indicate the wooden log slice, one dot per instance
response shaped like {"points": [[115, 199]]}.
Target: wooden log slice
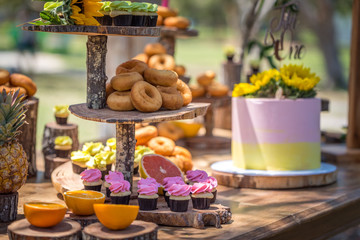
{"points": [[27, 138], [232, 73], [180, 33], [52, 162], [53, 130], [23, 230], [8, 206], [138, 230], [63, 179]]}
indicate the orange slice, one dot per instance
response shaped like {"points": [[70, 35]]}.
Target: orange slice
{"points": [[42, 214], [81, 202], [116, 216]]}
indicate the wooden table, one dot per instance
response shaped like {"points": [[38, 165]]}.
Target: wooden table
{"points": [[258, 214]]}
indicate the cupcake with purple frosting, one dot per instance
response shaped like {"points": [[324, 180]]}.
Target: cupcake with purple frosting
{"points": [[201, 195], [179, 197], [213, 182], [120, 192], [147, 198], [167, 183], [111, 178], [92, 179], [196, 176]]}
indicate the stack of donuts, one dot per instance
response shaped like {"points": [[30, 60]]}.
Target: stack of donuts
{"points": [[165, 146], [155, 56], [169, 18], [16, 81], [208, 86], [136, 86]]}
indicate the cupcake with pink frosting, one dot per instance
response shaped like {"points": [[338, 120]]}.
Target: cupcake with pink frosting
{"points": [[120, 192], [201, 195], [148, 196], [179, 197], [213, 182], [110, 178], [196, 176], [167, 183], [92, 179], [148, 181]]}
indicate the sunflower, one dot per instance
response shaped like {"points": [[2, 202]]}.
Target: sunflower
{"points": [[84, 11], [263, 78], [244, 89], [298, 76]]}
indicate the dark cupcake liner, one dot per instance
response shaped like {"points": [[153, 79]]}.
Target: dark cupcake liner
{"points": [[108, 192], [106, 172], [201, 203], [136, 170], [150, 21], [105, 20], [166, 198], [94, 188], [77, 169], [146, 204], [62, 153], [120, 199], [61, 121], [214, 198], [122, 20], [138, 20], [178, 205]]}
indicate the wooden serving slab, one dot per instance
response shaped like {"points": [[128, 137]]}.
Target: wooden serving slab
{"points": [[23, 230], [179, 33]]}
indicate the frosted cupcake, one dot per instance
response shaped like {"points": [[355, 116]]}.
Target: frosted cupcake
{"points": [[120, 192], [63, 146], [111, 145], [102, 161], [147, 196], [179, 197], [121, 13], [148, 181], [92, 179], [79, 160], [138, 14], [105, 20], [93, 148], [61, 114], [201, 195], [167, 183], [196, 176], [111, 178], [213, 182], [151, 15]]}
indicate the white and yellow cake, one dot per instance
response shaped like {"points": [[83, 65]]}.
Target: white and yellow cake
{"points": [[272, 134]]}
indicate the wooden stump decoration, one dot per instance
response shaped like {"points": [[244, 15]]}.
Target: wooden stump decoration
{"points": [[28, 134], [52, 162], [232, 73], [53, 130], [138, 230], [96, 77], [125, 150], [23, 230], [82, 220], [8, 206]]}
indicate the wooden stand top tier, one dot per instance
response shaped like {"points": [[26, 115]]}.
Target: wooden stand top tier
{"points": [[180, 33], [96, 30], [107, 115]]}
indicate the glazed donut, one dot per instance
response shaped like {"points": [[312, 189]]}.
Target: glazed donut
{"points": [[177, 161], [20, 80], [180, 70], [164, 78], [108, 89], [182, 151], [197, 91], [142, 57], [166, 12], [159, 21], [218, 90], [132, 66], [206, 78], [120, 101], [170, 130], [171, 98], [162, 62], [145, 97], [185, 92], [141, 125], [162, 145], [4, 76], [12, 90], [178, 22], [144, 134], [125, 81], [154, 49]]}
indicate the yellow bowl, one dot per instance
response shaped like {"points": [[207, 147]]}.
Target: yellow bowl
{"points": [[190, 129], [116, 216], [43, 214], [81, 202]]}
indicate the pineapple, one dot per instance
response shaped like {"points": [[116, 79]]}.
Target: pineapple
{"points": [[13, 159]]}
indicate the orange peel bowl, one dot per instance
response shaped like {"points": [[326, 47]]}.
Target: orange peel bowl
{"points": [[81, 202], [43, 214], [190, 129], [116, 216]]}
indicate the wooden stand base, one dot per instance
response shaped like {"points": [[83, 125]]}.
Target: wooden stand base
{"points": [[23, 230], [52, 162], [8, 206], [138, 230]]}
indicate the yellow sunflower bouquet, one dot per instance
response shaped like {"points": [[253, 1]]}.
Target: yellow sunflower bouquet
{"points": [[292, 81], [70, 12]]}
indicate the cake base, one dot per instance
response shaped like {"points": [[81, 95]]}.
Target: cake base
{"points": [[229, 175]]}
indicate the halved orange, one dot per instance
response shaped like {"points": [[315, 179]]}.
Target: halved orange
{"points": [[81, 202], [43, 214], [190, 129], [116, 216]]}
